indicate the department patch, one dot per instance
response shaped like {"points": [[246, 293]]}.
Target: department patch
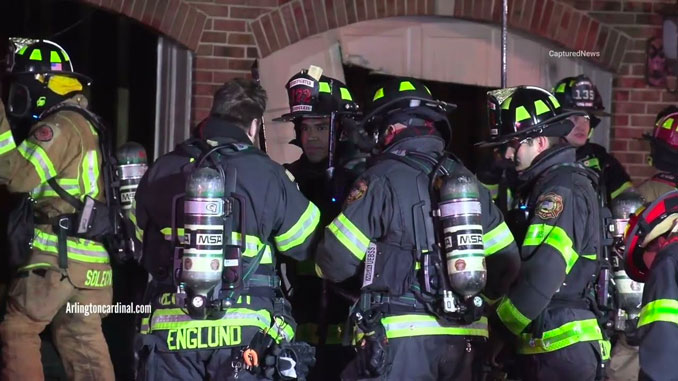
{"points": [[44, 133], [357, 192], [549, 206]]}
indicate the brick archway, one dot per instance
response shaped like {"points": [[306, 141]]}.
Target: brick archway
{"points": [[177, 19], [555, 21]]}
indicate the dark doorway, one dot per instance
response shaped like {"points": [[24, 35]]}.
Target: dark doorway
{"points": [[469, 120]]}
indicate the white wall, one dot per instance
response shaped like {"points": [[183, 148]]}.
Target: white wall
{"points": [[433, 48]]}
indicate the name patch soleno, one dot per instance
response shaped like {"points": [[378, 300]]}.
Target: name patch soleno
{"points": [[203, 337], [98, 278]]}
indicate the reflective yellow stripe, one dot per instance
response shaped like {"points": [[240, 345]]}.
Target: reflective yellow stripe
{"points": [[176, 318], [79, 249], [665, 310], [493, 188], [90, 171], [38, 157], [522, 114], [621, 189], [302, 229], [497, 239], [554, 236], [378, 94], [512, 318], [6, 141], [324, 87], [561, 337], [34, 265], [426, 325], [138, 231], [349, 236], [71, 187]]}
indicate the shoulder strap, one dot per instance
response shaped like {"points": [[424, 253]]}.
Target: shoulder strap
{"points": [[77, 204]]}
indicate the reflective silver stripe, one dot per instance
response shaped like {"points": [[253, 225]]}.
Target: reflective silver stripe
{"points": [[92, 173], [302, 230], [6, 141], [71, 249], [158, 319], [349, 235], [45, 190], [430, 324]]}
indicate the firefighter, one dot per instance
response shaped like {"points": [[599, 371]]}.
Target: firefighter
{"points": [[174, 343], [320, 308], [546, 309], [579, 93], [386, 225], [663, 155], [651, 256], [61, 150]]}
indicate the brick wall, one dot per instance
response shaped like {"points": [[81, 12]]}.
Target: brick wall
{"points": [[228, 34], [634, 103]]}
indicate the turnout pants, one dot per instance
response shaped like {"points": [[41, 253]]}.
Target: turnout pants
{"points": [[624, 361], [424, 358], [35, 300]]}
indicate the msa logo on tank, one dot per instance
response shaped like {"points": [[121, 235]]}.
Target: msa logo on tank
{"points": [[98, 278], [217, 336], [466, 239]]}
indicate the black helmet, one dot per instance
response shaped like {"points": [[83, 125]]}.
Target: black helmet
{"points": [[42, 76], [45, 57], [311, 98], [406, 97], [579, 93], [524, 112]]}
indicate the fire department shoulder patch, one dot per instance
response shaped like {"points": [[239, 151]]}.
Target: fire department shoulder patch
{"points": [[44, 133], [357, 192], [549, 206]]}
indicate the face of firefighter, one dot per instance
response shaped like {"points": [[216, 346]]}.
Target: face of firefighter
{"points": [[315, 135], [580, 133], [522, 152]]}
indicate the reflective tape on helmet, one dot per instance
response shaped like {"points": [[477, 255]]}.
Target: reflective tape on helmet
{"points": [[497, 239], [555, 102], [6, 142], [522, 114], [561, 337], [38, 157], [349, 235], [560, 88], [345, 94], [668, 123], [426, 325], [378, 94], [512, 318], [555, 237], [406, 86], [540, 107], [324, 87], [665, 310], [79, 249], [36, 55], [54, 57], [507, 103], [297, 234]]}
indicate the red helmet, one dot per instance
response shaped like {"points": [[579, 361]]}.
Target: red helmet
{"points": [[644, 226]]}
